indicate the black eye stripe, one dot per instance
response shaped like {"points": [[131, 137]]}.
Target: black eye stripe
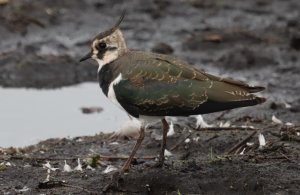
{"points": [[111, 48], [102, 52]]}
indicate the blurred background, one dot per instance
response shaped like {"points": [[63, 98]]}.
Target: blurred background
{"points": [[45, 92]]}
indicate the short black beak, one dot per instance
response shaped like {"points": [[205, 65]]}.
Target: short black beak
{"points": [[87, 56]]}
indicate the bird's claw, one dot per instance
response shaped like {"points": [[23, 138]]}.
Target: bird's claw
{"points": [[115, 178]]}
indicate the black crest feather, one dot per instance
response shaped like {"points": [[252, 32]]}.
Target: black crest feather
{"points": [[113, 29]]}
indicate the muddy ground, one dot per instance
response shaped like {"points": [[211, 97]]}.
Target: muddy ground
{"points": [[257, 41]]}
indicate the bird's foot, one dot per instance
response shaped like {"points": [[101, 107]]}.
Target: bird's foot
{"points": [[158, 164], [115, 178]]}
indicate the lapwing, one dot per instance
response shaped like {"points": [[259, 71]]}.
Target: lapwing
{"points": [[151, 86]]}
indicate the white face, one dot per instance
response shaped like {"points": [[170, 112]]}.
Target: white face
{"points": [[107, 49], [109, 57], [104, 51]]}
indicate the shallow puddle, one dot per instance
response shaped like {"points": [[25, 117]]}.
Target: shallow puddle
{"points": [[30, 115]]}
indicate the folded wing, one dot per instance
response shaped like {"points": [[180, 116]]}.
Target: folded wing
{"points": [[165, 87]]}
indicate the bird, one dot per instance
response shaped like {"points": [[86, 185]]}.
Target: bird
{"points": [[151, 86]]}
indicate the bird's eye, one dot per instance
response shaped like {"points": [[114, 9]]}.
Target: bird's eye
{"points": [[101, 46]]}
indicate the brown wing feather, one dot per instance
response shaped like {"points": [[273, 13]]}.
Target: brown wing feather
{"points": [[201, 75], [250, 89]]}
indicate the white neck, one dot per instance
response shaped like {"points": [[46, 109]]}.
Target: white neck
{"points": [[100, 63], [108, 58]]}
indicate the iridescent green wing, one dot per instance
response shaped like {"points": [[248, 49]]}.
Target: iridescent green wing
{"points": [[162, 87], [160, 98]]}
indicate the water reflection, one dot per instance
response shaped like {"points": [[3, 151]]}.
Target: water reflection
{"points": [[29, 115]]}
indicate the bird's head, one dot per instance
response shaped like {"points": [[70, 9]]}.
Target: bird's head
{"points": [[108, 45]]}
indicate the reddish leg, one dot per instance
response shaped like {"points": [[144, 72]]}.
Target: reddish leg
{"points": [[126, 166], [115, 177], [163, 144]]}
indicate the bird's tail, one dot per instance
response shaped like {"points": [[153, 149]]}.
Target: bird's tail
{"points": [[224, 92], [241, 84], [214, 106]]}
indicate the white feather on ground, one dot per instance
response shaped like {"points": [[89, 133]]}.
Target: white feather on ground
{"points": [[24, 189], [243, 151], [287, 105], [90, 168], [67, 167], [226, 124], [49, 167], [109, 168], [48, 175], [248, 126], [276, 120], [168, 153], [114, 143], [261, 140], [196, 139], [79, 166], [8, 164], [201, 123]]}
